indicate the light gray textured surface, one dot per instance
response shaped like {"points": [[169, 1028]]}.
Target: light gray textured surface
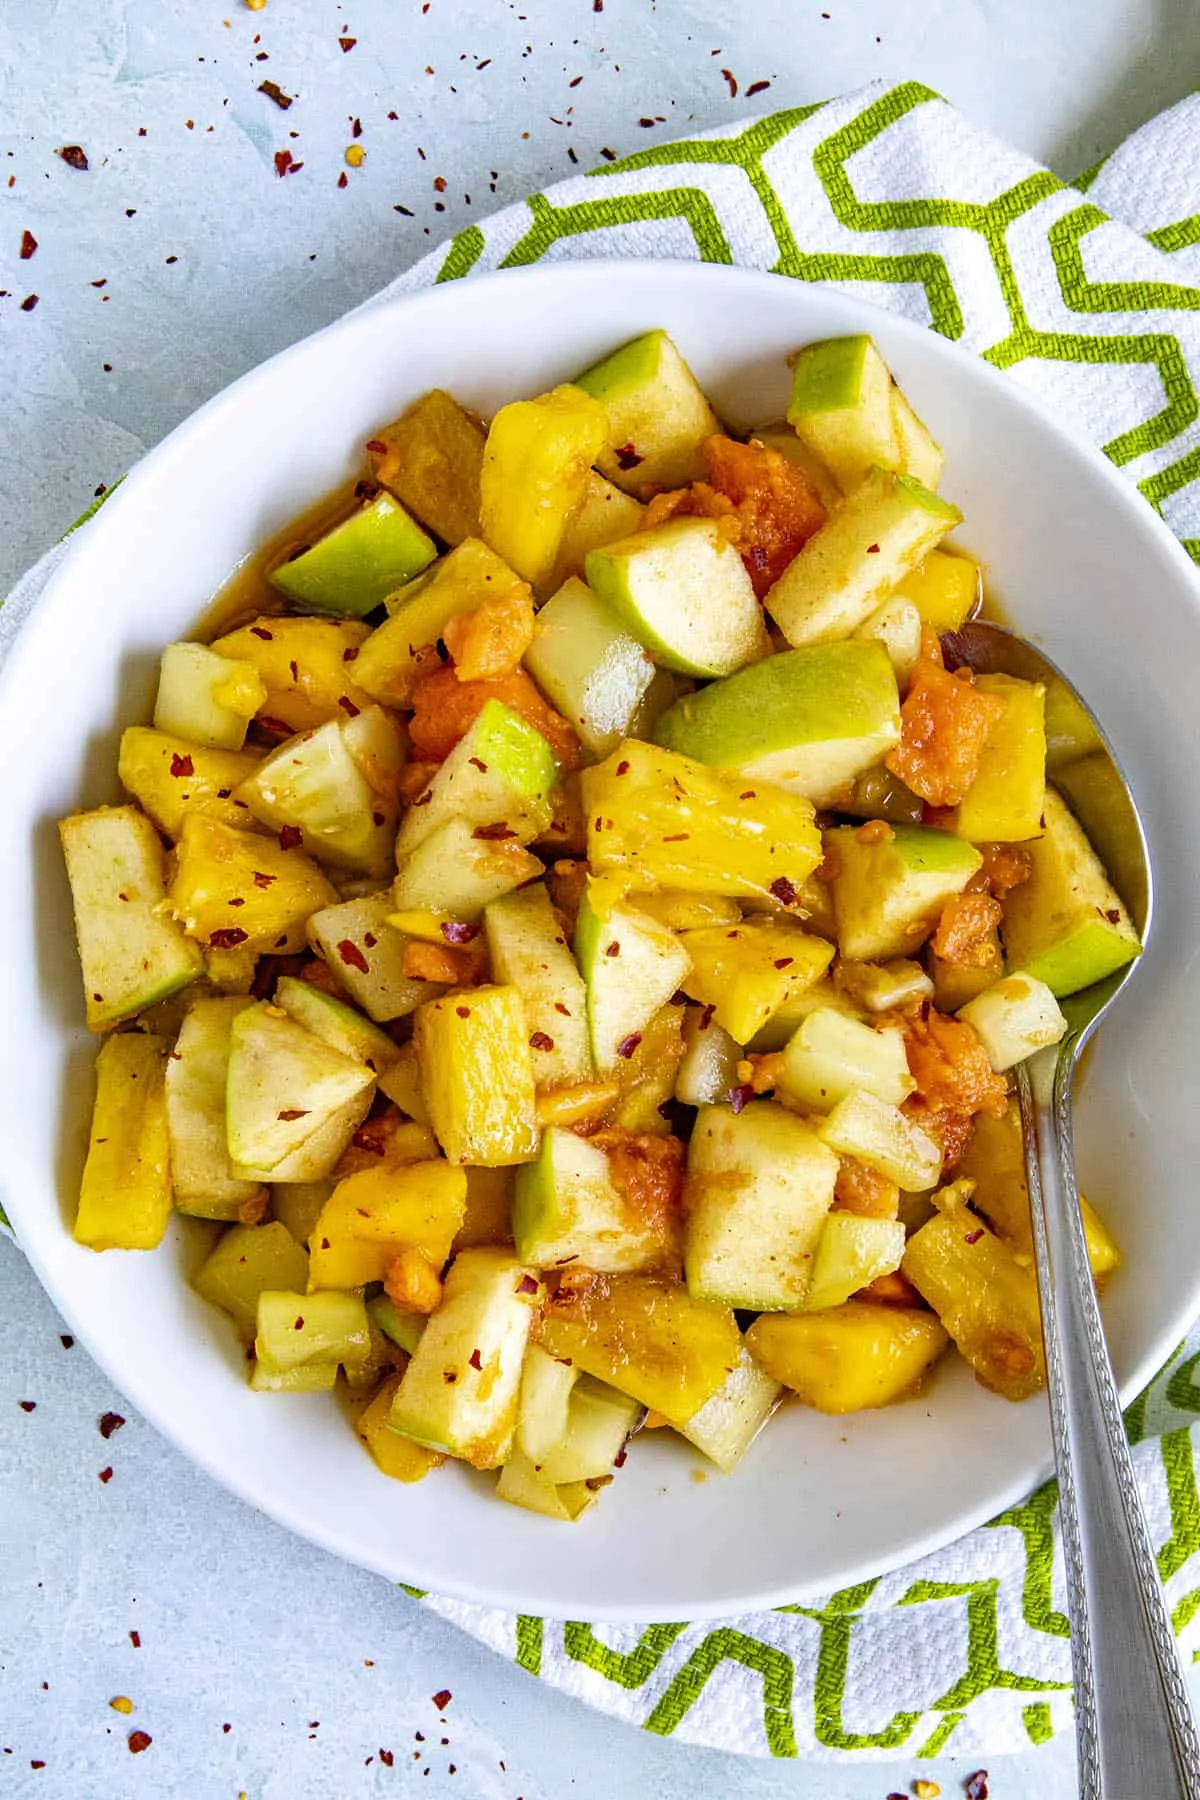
{"points": [[239, 1623]]}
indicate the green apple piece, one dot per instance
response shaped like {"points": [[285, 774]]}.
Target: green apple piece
{"points": [[404, 1328], [1066, 925], [727, 1425], [807, 720], [759, 1185], [783, 440], [658, 416], [567, 1208], [313, 782], [207, 698], [296, 1328], [478, 1335], [367, 956], [599, 1421], [605, 515], [545, 1404], [302, 1378], [897, 626], [850, 565], [783, 1025], [919, 455], [683, 591], [508, 796], [452, 871], [353, 568], [1095, 793], [1013, 1019], [335, 1023], [521, 1483], [841, 407], [389, 664], [852, 1253], [131, 951], [196, 1074], [248, 1260], [588, 666], [880, 1136], [708, 1071], [888, 896], [284, 1084], [632, 966], [834, 1053], [526, 948]]}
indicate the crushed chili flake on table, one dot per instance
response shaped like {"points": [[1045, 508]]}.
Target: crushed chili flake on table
{"points": [[27, 1406], [139, 1741], [757, 87], [106, 1475], [74, 155], [29, 302], [110, 1422], [977, 1785], [135, 1638], [28, 245], [66, 1340], [274, 92], [442, 1699], [347, 43], [387, 1758], [284, 164]]}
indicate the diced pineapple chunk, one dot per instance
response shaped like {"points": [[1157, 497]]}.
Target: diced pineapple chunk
{"points": [[747, 972], [945, 589], [477, 1075], [1004, 803], [994, 1160], [125, 1193], [535, 468], [849, 1357], [396, 1456], [984, 1298], [306, 666], [237, 888], [170, 778], [390, 662]]}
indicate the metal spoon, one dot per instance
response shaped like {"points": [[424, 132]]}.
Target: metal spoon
{"points": [[1133, 1720]]}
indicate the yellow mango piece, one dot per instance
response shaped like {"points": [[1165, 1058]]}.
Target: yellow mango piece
{"points": [[1004, 803], [995, 1161], [477, 1075], [170, 777], [125, 1193], [647, 1337], [488, 1215], [397, 1456], [306, 666], [430, 459], [850, 1357], [945, 589], [986, 1300], [237, 889], [370, 1217], [748, 971], [390, 663], [688, 912], [534, 478]]}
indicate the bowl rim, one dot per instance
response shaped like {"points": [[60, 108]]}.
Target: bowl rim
{"points": [[109, 521]]}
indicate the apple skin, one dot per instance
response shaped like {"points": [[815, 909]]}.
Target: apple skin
{"points": [[353, 568], [1066, 925], [808, 720], [658, 415]]}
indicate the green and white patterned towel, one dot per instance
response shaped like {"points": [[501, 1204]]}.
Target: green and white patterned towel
{"points": [[1094, 303]]}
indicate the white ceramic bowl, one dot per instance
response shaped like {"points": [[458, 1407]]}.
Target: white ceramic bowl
{"points": [[1081, 565]]}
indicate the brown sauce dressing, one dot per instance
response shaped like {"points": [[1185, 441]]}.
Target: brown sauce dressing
{"points": [[248, 592]]}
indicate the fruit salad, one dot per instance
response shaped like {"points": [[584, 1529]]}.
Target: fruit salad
{"points": [[569, 938]]}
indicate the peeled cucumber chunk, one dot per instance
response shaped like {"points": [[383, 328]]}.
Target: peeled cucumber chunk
{"points": [[710, 1059], [125, 1190], [353, 568], [314, 783], [683, 591], [527, 948], [196, 1077], [497, 778], [132, 952], [888, 893], [522, 1484], [1066, 925], [759, 1186], [283, 1085], [807, 720], [1014, 1018], [882, 1137], [545, 1405], [658, 416], [296, 1328], [207, 698], [605, 515], [727, 1425], [590, 668], [851, 564], [631, 966], [460, 1392], [567, 1209]]}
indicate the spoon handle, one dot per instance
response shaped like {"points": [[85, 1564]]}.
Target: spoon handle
{"points": [[1134, 1725]]}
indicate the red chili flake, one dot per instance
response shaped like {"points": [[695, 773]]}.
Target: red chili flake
{"points": [[228, 938], [462, 1012], [477, 763], [29, 302], [343, 180], [356, 128], [706, 1017], [74, 155], [106, 1475], [288, 1116], [526, 1285], [475, 1360], [66, 1340], [750, 794], [783, 890], [597, 5], [135, 1638], [182, 765], [973, 1237], [284, 164], [387, 1758], [27, 1406], [351, 655], [629, 1044], [36, 1762], [352, 956], [274, 92], [740, 1096], [561, 1008], [260, 631], [540, 1041], [757, 87], [347, 705], [139, 1741], [622, 768], [784, 962], [493, 833], [459, 931], [290, 837], [109, 1423], [731, 80], [872, 549], [28, 245], [614, 949], [607, 154], [646, 124], [370, 940], [977, 1785], [263, 881], [439, 184], [627, 457], [677, 837], [347, 43]]}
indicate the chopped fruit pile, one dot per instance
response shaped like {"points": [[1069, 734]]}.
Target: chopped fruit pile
{"points": [[569, 936]]}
